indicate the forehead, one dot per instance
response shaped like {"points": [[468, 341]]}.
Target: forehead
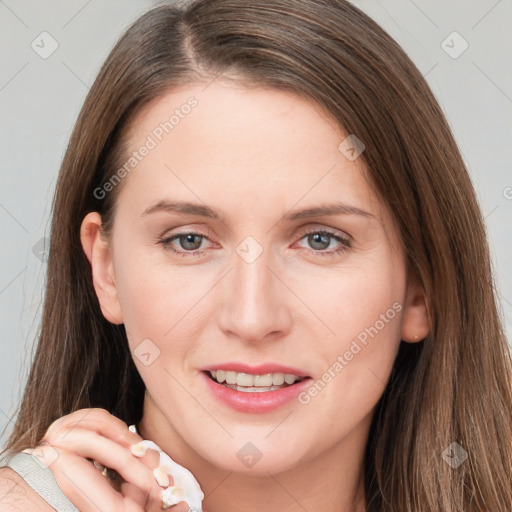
{"points": [[235, 146]]}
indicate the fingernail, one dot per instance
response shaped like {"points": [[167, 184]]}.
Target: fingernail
{"points": [[161, 476], [138, 449], [169, 497], [30, 451]]}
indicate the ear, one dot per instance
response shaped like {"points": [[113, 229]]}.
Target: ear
{"points": [[415, 320], [98, 253]]}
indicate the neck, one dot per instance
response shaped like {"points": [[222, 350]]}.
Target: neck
{"points": [[331, 481]]}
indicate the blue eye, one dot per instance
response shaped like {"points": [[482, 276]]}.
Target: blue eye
{"points": [[322, 240], [186, 240], [319, 240]]}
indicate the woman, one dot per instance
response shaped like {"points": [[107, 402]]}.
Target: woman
{"points": [[266, 254]]}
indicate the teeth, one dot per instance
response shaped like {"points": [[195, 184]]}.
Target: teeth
{"points": [[249, 380], [231, 377], [244, 379], [262, 380], [289, 379], [278, 379]]}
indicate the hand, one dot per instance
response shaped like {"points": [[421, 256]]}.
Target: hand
{"points": [[72, 441]]}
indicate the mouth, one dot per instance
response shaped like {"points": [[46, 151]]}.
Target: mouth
{"points": [[251, 383], [254, 389]]}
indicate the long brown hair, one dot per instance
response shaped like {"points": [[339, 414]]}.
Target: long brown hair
{"points": [[454, 386]]}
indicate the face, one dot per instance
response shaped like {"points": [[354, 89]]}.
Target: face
{"points": [[255, 274]]}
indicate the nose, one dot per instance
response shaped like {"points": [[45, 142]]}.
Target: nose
{"points": [[255, 304]]}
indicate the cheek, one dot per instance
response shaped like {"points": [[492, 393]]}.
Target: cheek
{"points": [[364, 309], [361, 311], [362, 362], [158, 299], [147, 303], [350, 298]]}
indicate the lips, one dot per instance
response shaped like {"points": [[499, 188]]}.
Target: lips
{"points": [[255, 402]]}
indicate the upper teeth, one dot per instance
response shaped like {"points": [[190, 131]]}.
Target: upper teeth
{"points": [[247, 379]]}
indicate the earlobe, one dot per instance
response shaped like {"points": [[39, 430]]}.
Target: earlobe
{"points": [[97, 251], [415, 320]]}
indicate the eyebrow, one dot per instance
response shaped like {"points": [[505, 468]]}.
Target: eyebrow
{"points": [[327, 209], [182, 207], [201, 210]]}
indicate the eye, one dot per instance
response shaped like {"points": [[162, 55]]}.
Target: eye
{"points": [[319, 240], [189, 242]]}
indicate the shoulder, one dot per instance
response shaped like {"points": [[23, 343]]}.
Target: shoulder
{"points": [[16, 495]]}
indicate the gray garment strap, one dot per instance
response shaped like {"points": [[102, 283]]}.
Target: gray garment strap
{"points": [[41, 479]]}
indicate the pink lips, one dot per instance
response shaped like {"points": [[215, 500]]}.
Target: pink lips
{"points": [[260, 401]]}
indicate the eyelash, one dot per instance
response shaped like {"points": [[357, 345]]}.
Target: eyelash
{"points": [[345, 243]]}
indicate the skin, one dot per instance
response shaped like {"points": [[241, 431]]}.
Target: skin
{"points": [[67, 443], [253, 155]]}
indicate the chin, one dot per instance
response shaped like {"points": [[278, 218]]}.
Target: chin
{"points": [[256, 457]]}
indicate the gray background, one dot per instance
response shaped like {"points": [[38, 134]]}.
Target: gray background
{"points": [[40, 99]]}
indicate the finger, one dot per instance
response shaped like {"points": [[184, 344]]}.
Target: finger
{"points": [[92, 415], [89, 444], [135, 499], [83, 485], [122, 437]]}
